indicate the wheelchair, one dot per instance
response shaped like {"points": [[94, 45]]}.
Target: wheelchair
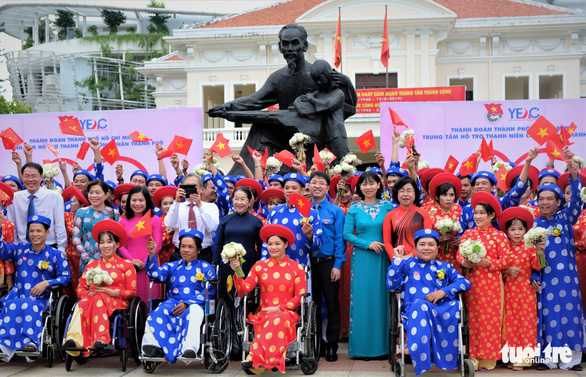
{"points": [[215, 340], [307, 343], [126, 328], [53, 319], [397, 334]]}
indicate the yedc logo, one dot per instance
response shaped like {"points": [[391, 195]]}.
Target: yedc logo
{"points": [[93, 124], [520, 113]]}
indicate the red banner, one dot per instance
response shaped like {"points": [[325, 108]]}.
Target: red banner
{"points": [[369, 99]]}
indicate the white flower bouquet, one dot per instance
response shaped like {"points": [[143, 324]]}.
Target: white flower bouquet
{"points": [[234, 250], [499, 164], [578, 160], [423, 165], [446, 226], [202, 169], [297, 142], [583, 194], [535, 236], [273, 166], [97, 276], [474, 251], [346, 171], [403, 141], [326, 156], [50, 171], [351, 159]]}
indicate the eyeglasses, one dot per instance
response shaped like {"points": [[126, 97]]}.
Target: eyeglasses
{"points": [[319, 183]]}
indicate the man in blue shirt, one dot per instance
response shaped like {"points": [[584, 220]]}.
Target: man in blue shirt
{"points": [[327, 260]]}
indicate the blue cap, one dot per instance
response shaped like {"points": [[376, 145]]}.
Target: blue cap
{"points": [[484, 174], [67, 206], [230, 178], [191, 233], [358, 173], [37, 219], [549, 172], [511, 164], [426, 233], [157, 177], [13, 179], [58, 184], [276, 177], [240, 177], [84, 172], [294, 177], [206, 178], [553, 188], [142, 173], [376, 170], [111, 185], [395, 171]]}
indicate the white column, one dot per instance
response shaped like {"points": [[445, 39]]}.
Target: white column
{"points": [[410, 58], [425, 61], [47, 39], [328, 40], [84, 26], [36, 30]]}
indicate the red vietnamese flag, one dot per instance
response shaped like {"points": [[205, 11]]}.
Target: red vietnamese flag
{"points": [[451, 164], [180, 145], [110, 152], [566, 135], [542, 130], [138, 137], [46, 161], [70, 126], [329, 151], [10, 139], [468, 167], [85, 146], [572, 128], [52, 149], [385, 52], [486, 151], [409, 143], [554, 151], [221, 146], [319, 164], [285, 157], [265, 156], [338, 43], [366, 142], [143, 227], [396, 119], [501, 178], [301, 204]]}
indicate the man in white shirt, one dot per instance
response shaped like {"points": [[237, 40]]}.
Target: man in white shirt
{"points": [[37, 201], [195, 214]]}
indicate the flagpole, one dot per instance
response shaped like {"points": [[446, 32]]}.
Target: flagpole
{"points": [[340, 18], [387, 67]]}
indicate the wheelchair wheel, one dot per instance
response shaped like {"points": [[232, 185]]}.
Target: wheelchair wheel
{"points": [[50, 355], [123, 359], [136, 324], [211, 365], [399, 367], [223, 328], [469, 368], [237, 333], [308, 365], [312, 340], [148, 366], [62, 311], [68, 361]]}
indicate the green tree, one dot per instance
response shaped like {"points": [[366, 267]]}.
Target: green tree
{"points": [[64, 20], [13, 107], [113, 18], [93, 30], [158, 20]]}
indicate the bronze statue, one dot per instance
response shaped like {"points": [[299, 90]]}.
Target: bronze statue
{"points": [[304, 106]]}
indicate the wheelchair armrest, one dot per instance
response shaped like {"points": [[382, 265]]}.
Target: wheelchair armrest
{"points": [[305, 295]]}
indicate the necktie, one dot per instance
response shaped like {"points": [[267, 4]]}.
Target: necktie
{"points": [[191, 220], [31, 206]]}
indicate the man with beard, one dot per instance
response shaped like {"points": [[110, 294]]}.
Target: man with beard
{"points": [[283, 87]]}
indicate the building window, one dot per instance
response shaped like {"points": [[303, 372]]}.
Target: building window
{"points": [[516, 87], [243, 90], [212, 96], [468, 83], [551, 87], [371, 81]]}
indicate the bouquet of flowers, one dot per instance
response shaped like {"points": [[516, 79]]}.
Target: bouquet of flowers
{"points": [[50, 171], [97, 276], [577, 160], [297, 142], [273, 166], [326, 156], [446, 226], [474, 251], [234, 250], [351, 159], [583, 194], [346, 171], [423, 165], [407, 140], [535, 236], [499, 164], [202, 169]]}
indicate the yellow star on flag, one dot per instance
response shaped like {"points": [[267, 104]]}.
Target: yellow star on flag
{"points": [[221, 145], [542, 132], [468, 164], [140, 225], [555, 153], [450, 165], [366, 143], [74, 128], [141, 136], [112, 152], [300, 203], [180, 145], [503, 177], [493, 109]]}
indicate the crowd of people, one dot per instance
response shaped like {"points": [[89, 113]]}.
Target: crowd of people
{"points": [[368, 235]]}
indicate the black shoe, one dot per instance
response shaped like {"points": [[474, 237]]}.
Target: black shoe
{"points": [[100, 344], [152, 351], [577, 368], [69, 343], [542, 367], [331, 354], [247, 364], [189, 354]]}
